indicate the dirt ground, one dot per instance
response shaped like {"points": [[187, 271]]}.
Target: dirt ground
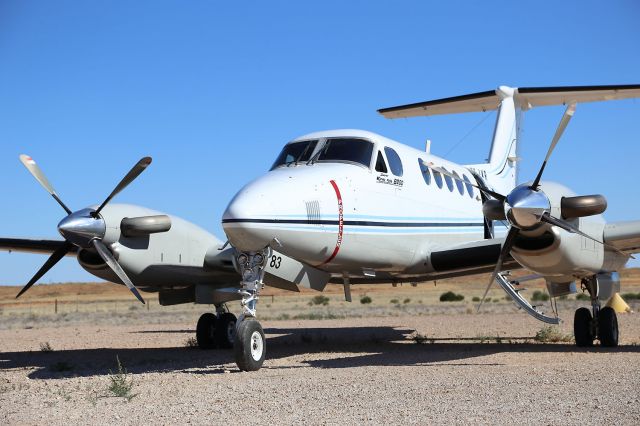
{"points": [[463, 367]]}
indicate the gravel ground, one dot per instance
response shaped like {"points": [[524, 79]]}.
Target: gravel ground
{"points": [[359, 370]]}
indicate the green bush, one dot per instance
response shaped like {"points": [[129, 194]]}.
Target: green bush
{"points": [[475, 299], [539, 296], [320, 300], [450, 296], [365, 300], [394, 301], [407, 300], [630, 296], [583, 296]]}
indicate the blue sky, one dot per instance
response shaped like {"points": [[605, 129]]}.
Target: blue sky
{"points": [[212, 90]]}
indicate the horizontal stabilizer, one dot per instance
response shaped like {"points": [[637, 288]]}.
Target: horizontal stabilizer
{"points": [[525, 97]]}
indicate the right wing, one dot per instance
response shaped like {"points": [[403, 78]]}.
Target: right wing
{"points": [[34, 246]]}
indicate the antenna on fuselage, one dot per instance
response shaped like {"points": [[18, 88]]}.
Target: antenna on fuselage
{"points": [[427, 147]]}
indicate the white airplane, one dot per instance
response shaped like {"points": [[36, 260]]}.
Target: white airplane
{"points": [[351, 207]]}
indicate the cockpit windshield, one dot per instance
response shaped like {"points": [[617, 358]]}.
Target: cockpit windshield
{"points": [[346, 149], [295, 152]]}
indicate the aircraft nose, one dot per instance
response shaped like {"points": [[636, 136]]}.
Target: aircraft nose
{"points": [[248, 216]]}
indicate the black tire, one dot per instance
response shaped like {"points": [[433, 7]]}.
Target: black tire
{"points": [[250, 345], [608, 327], [205, 331], [225, 330], [582, 329]]}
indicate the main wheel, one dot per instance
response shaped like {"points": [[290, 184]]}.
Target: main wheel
{"points": [[582, 327], [225, 330], [205, 331], [608, 327], [249, 345]]}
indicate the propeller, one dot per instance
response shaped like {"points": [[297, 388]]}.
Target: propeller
{"points": [[526, 206], [83, 228]]}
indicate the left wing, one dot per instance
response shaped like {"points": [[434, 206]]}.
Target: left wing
{"points": [[34, 246], [625, 236]]}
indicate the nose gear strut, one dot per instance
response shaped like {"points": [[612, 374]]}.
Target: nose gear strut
{"points": [[249, 344]]}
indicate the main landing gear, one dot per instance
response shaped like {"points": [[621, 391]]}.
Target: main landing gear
{"points": [[249, 345], [597, 323], [216, 331]]}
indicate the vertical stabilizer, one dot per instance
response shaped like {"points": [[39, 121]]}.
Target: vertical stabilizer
{"points": [[500, 173]]}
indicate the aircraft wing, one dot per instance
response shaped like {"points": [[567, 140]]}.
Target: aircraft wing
{"points": [[526, 97], [625, 236], [34, 246]]}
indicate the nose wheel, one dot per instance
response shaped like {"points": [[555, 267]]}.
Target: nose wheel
{"points": [[597, 323], [250, 345]]}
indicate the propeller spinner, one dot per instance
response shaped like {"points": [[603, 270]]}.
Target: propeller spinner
{"points": [[84, 228]]}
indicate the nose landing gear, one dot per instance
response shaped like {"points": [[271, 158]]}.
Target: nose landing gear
{"points": [[599, 323], [249, 345]]}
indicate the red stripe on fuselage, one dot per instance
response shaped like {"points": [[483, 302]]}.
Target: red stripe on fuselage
{"points": [[340, 224]]}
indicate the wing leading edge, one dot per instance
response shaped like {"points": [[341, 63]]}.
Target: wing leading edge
{"points": [[34, 246]]}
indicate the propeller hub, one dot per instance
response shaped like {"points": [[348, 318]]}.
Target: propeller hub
{"points": [[80, 227], [524, 207]]}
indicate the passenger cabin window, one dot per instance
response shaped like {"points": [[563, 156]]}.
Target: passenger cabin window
{"points": [[381, 166], [348, 150], [426, 173], [395, 164], [459, 183], [468, 185], [449, 180], [438, 178], [295, 152]]}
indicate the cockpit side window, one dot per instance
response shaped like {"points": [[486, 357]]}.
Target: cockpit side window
{"points": [[349, 150], [295, 152], [381, 166], [395, 164]]}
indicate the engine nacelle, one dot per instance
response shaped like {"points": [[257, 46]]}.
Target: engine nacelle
{"points": [[561, 255]]}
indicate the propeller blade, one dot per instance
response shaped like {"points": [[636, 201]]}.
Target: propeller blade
{"points": [[570, 228], [566, 117], [36, 172], [440, 170], [506, 248], [135, 171], [50, 263], [106, 255]]}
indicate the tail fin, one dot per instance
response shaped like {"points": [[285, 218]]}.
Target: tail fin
{"points": [[501, 172]]}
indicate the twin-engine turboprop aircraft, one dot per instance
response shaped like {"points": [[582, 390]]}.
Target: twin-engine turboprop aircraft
{"points": [[350, 207]]}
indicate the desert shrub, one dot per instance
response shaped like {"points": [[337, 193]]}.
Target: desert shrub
{"points": [[539, 296], [450, 296], [407, 300], [320, 300], [552, 335], [45, 347], [630, 296], [191, 342], [121, 385], [583, 296], [394, 301], [365, 300], [475, 299]]}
